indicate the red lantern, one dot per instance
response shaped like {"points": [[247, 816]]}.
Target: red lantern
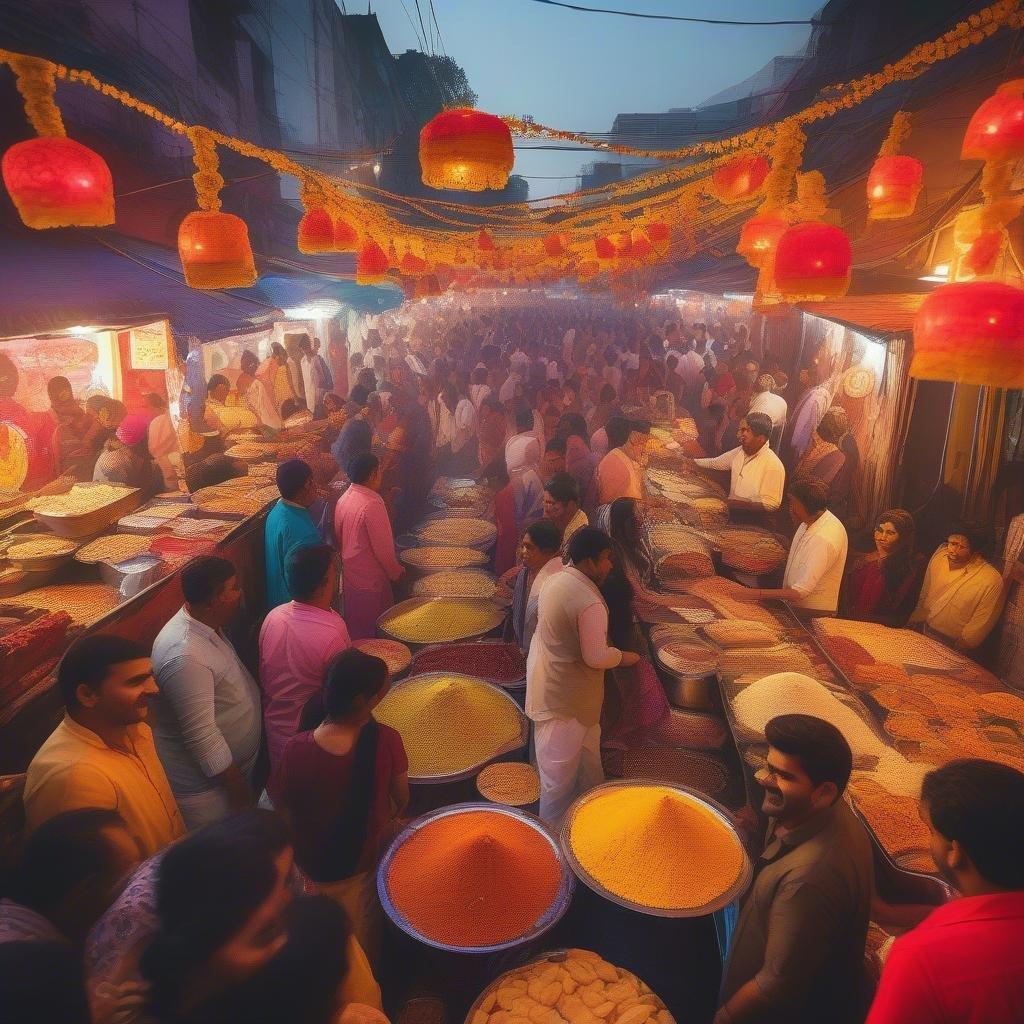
{"points": [[215, 251], [604, 249], [346, 238], [893, 187], [980, 258], [555, 245], [316, 231], [739, 179], [427, 286], [412, 264], [372, 264], [467, 150], [484, 242], [640, 247], [59, 183], [657, 232], [996, 131], [759, 236], [813, 261], [971, 332]]}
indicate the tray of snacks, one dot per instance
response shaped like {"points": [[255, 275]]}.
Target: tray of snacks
{"points": [[39, 552], [552, 983], [458, 532], [117, 547], [86, 603], [86, 509], [622, 840], [452, 724], [475, 878]]}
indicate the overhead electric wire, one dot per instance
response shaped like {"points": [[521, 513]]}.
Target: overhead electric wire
{"points": [[670, 17]]}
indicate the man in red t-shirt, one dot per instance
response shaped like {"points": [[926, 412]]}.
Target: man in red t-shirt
{"points": [[964, 964]]}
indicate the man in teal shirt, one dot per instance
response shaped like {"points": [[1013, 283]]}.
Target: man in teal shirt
{"points": [[289, 525]]}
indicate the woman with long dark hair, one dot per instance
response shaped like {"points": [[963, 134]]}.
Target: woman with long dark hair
{"points": [[883, 585]]}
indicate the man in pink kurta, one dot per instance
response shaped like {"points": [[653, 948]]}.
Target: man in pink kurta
{"points": [[297, 643], [367, 546]]}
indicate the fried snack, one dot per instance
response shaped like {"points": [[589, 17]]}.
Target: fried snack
{"points": [[450, 723], [628, 840], [84, 602], [79, 501], [905, 698], [741, 633], [40, 547], [878, 674], [116, 548], [480, 878], [909, 725], [1001, 704], [509, 782]]}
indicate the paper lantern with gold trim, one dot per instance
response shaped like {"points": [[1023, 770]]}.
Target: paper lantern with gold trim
{"points": [[346, 238], [971, 332], [316, 231], [59, 183], [372, 263], [739, 179], [215, 251], [894, 184], [996, 131], [813, 261], [466, 149], [759, 236]]}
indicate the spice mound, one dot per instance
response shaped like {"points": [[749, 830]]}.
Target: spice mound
{"points": [[480, 878], [40, 547], [457, 531], [79, 501], [450, 723], [437, 621], [655, 847], [456, 583], [432, 559], [569, 986]]}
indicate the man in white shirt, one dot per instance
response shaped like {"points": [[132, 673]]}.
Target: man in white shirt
{"points": [[817, 555], [565, 674], [704, 346], [255, 393], [757, 474], [690, 369], [772, 405]]}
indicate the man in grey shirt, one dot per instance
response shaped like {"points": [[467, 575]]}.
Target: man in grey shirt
{"points": [[206, 720], [798, 951]]}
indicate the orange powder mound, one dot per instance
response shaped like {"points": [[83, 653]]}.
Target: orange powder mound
{"points": [[474, 879], [656, 847]]}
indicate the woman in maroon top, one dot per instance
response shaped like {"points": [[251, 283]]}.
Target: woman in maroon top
{"points": [[343, 788], [883, 586]]}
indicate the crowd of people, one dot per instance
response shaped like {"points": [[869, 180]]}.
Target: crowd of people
{"points": [[204, 827]]}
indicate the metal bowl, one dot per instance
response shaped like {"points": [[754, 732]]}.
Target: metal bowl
{"points": [[416, 602], [468, 773], [41, 563], [558, 907], [735, 890]]}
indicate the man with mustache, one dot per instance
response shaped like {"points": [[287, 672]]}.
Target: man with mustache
{"points": [[798, 951], [102, 753]]}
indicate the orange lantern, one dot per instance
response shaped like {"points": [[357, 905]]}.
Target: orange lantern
{"points": [[759, 236], [484, 242], [372, 263], [346, 238], [971, 332], [894, 183], [739, 179], [316, 231], [467, 150], [980, 258], [215, 251], [996, 131], [813, 261], [58, 183]]}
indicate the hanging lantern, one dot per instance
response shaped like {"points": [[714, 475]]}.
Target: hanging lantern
{"points": [[346, 238], [467, 150], [759, 236], [996, 131], [372, 264], [316, 231], [215, 251], [484, 242], [59, 183], [604, 249], [812, 262], [739, 179], [640, 247], [971, 332], [980, 258], [412, 264], [894, 183], [555, 245]]}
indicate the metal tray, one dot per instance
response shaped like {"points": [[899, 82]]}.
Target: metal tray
{"points": [[468, 773], [88, 523], [733, 892], [415, 602], [558, 907]]}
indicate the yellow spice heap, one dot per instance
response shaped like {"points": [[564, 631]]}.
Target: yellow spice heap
{"points": [[445, 620], [457, 532], [449, 723], [79, 500], [429, 557], [656, 847]]}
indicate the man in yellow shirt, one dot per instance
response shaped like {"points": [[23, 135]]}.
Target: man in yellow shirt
{"points": [[102, 753], [962, 594]]}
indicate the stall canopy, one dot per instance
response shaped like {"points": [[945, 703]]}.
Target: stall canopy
{"points": [[64, 278]]}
